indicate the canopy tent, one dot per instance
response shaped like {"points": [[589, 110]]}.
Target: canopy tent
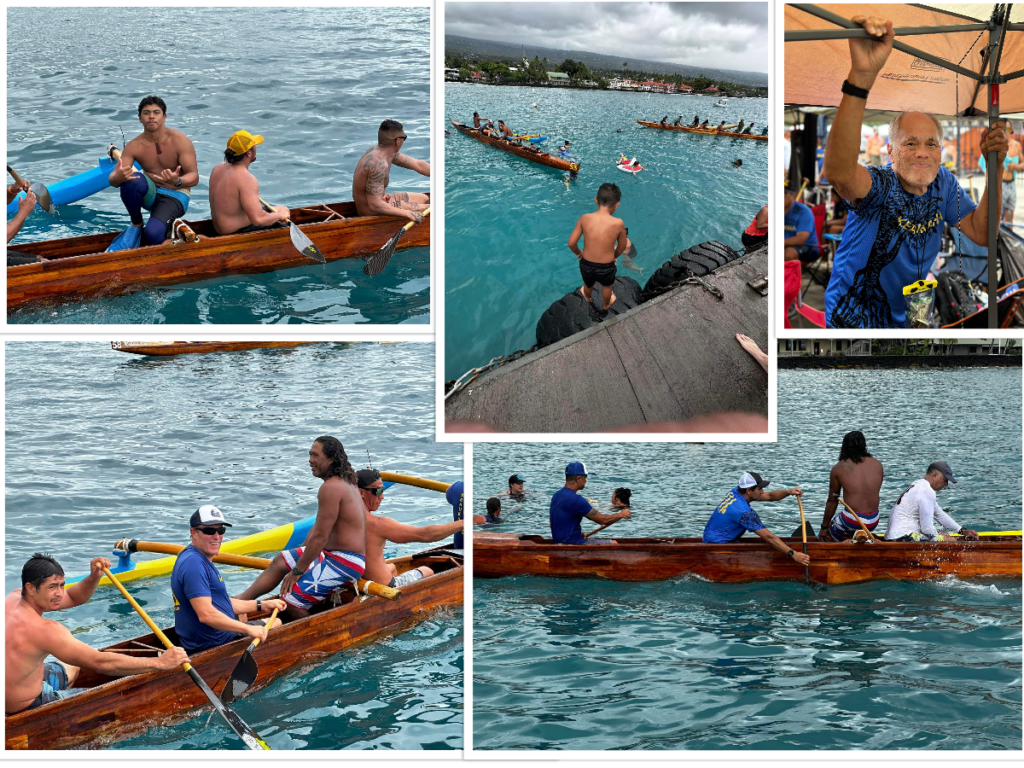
{"points": [[965, 59]]}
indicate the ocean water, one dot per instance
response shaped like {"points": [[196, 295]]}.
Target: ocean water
{"points": [[93, 457], [690, 664], [507, 220], [316, 83]]}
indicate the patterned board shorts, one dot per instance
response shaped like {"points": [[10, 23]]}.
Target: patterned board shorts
{"points": [[330, 571]]}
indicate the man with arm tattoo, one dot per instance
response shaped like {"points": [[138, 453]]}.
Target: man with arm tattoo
{"points": [[373, 171]]}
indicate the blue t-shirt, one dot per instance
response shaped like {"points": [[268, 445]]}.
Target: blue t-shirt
{"points": [[891, 239], [731, 519], [567, 511], [195, 576], [800, 218]]}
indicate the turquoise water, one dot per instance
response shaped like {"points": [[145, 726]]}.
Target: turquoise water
{"points": [[316, 83], [689, 664], [93, 457], [507, 220]]}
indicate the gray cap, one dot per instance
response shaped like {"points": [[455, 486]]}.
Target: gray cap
{"points": [[942, 467]]}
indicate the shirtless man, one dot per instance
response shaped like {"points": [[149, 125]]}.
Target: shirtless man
{"points": [[168, 161], [334, 553], [604, 240], [29, 680], [373, 171], [858, 475], [381, 530], [504, 132], [235, 194]]}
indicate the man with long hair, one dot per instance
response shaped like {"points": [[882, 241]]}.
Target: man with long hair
{"points": [[334, 553], [858, 476]]}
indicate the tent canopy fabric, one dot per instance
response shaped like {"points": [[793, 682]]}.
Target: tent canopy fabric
{"points": [[816, 69]]}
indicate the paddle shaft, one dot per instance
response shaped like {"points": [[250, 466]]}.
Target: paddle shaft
{"points": [[803, 531], [871, 536], [256, 641], [15, 176], [259, 563], [244, 731], [613, 522], [412, 224]]}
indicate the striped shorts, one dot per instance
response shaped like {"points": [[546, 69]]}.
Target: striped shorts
{"points": [[844, 525], [330, 571]]}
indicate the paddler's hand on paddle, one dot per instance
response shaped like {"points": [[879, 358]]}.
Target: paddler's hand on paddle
{"points": [[623, 515], [416, 216], [256, 631], [123, 173], [172, 658], [26, 204], [994, 139], [169, 177], [16, 187], [801, 558], [867, 55], [794, 492], [272, 603], [284, 213], [97, 565]]}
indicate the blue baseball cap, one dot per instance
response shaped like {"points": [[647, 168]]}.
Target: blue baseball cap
{"points": [[576, 468]]}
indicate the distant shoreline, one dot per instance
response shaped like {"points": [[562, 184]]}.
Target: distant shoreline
{"points": [[724, 95], [821, 362]]}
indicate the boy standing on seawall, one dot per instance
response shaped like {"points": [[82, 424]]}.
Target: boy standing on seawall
{"points": [[604, 240]]}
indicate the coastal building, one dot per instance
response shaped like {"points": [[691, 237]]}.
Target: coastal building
{"points": [[853, 347], [558, 78], [451, 74]]}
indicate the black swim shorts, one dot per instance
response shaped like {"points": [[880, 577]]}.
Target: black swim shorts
{"points": [[255, 228], [597, 273], [166, 209]]}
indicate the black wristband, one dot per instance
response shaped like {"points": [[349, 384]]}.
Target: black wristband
{"points": [[790, 553], [853, 90], [296, 571], [259, 605]]}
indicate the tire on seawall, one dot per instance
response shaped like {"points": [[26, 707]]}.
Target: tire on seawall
{"points": [[571, 313], [700, 259]]}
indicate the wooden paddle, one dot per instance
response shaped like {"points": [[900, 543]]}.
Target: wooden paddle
{"points": [[245, 672], [244, 730], [613, 522], [41, 192], [803, 530], [260, 563], [871, 536], [302, 243], [376, 262]]}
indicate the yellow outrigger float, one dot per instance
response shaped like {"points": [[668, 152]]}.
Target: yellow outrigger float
{"points": [[282, 537]]}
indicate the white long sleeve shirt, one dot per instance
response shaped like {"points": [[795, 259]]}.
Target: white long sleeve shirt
{"points": [[916, 512]]}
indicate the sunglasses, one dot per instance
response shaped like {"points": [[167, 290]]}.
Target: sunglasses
{"points": [[375, 491], [218, 531], [403, 136]]}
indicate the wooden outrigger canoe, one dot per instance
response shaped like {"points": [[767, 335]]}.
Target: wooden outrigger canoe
{"points": [[169, 348], [116, 708], [80, 266], [533, 155], [704, 132], [497, 554]]}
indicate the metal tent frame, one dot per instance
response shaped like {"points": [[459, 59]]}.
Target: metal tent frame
{"points": [[998, 25]]}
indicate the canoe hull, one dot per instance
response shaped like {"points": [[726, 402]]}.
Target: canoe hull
{"points": [[730, 134], [497, 555], [533, 157], [197, 347], [80, 266], [119, 708]]}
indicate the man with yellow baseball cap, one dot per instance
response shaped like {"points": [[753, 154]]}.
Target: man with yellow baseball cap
{"points": [[235, 194]]}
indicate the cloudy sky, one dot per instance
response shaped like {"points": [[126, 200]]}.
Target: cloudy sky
{"points": [[725, 35]]}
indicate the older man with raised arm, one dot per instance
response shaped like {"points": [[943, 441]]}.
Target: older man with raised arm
{"points": [[380, 530], [29, 680], [897, 213]]}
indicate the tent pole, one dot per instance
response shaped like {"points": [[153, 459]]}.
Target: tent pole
{"points": [[994, 186]]}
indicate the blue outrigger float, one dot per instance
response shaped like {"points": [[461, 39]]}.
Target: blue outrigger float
{"points": [[77, 187]]}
